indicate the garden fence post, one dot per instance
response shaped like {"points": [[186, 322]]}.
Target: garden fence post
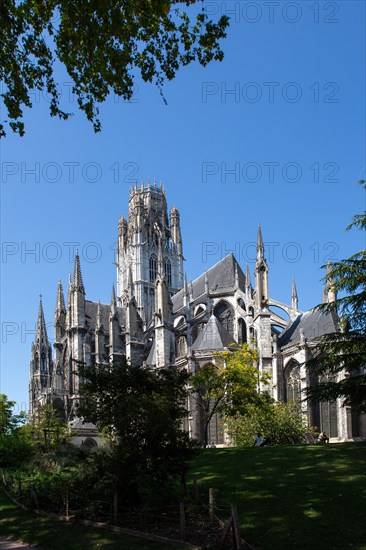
{"points": [[67, 502], [115, 508], [237, 537], [182, 521], [211, 499]]}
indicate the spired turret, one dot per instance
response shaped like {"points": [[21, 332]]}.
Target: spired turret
{"points": [[147, 243], [294, 298], [261, 275], [77, 297], [60, 314], [41, 366]]}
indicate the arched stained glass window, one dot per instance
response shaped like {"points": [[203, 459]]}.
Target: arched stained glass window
{"points": [[293, 383], [224, 314]]}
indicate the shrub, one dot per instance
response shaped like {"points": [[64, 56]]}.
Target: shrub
{"points": [[281, 423]]}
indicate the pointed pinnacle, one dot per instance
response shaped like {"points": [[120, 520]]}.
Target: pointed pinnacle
{"points": [[247, 276], [113, 301], [294, 290], [60, 301], [78, 279], [185, 285], [259, 238], [41, 324]]}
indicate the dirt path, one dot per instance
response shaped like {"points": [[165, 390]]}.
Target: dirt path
{"points": [[7, 544]]}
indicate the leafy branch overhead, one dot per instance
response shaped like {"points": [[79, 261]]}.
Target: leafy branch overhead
{"points": [[103, 46]]}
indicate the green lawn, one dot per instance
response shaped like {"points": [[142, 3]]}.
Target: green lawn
{"points": [[51, 534], [291, 497]]}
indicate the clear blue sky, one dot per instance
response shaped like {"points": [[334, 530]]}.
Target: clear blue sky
{"points": [[285, 148]]}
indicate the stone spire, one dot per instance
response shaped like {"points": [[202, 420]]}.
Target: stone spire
{"points": [[260, 246], [41, 366], [77, 296], [206, 283], [78, 279], [68, 310], [294, 299], [60, 314], [261, 274], [60, 301], [41, 333], [113, 302], [247, 276]]}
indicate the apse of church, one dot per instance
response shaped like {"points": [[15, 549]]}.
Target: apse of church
{"points": [[157, 318]]}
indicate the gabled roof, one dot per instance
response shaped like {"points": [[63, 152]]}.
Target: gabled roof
{"points": [[221, 277], [213, 337], [313, 323]]}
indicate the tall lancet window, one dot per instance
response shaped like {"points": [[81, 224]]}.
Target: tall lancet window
{"points": [[168, 271], [153, 266], [293, 382]]}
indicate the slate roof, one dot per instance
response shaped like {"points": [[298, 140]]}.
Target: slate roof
{"points": [[221, 277], [213, 337], [91, 309], [314, 324]]}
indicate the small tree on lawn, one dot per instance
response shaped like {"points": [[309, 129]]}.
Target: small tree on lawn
{"points": [[229, 385], [143, 409]]}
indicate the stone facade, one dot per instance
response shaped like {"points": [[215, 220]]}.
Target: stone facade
{"points": [[158, 319]]}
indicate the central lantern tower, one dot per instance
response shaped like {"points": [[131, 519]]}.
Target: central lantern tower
{"points": [[149, 245]]}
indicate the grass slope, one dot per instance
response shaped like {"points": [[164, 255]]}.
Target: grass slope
{"points": [[51, 534], [291, 497]]}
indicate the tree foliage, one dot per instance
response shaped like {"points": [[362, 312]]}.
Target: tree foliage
{"points": [[142, 411], [47, 427], [229, 386], [15, 447], [8, 420], [340, 357], [102, 45]]}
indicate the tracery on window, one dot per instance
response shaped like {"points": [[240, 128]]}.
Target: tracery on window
{"points": [[224, 314], [293, 383]]}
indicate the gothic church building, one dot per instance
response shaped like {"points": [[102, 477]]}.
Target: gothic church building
{"points": [[158, 319]]}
